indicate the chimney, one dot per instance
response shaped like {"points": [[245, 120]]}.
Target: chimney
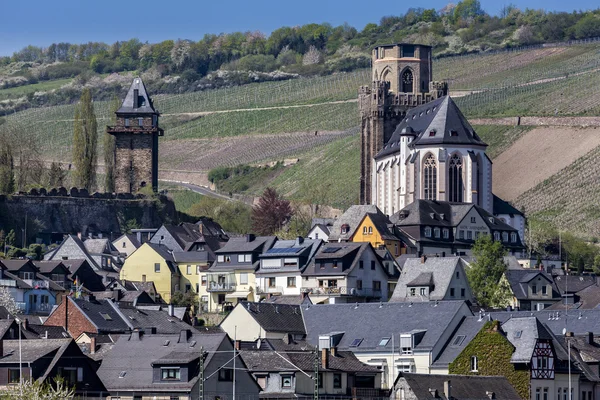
{"points": [[184, 335], [324, 360], [434, 393], [136, 94], [287, 338], [590, 338], [333, 351], [93, 345], [490, 395], [250, 237], [569, 334], [423, 259], [447, 391], [299, 240], [303, 295], [238, 345], [24, 324], [79, 235], [171, 310], [135, 335]]}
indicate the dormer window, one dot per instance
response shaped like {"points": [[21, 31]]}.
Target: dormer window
{"points": [[345, 229], [497, 236], [504, 236], [170, 374], [427, 232], [436, 233], [453, 133], [513, 237], [446, 233]]}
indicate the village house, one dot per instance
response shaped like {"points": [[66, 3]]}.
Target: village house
{"points": [[433, 279], [249, 322], [168, 366], [280, 266], [154, 263], [320, 229], [396, 337], [231, 278], [344, 272], [126, 244], [459, 387], [530, 289]]}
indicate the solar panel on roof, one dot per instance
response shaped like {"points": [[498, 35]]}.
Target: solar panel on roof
{"points": [[285, 250], [331, 250]]}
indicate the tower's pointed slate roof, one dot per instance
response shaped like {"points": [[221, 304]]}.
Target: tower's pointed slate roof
{"points": [[439, 122], [144, 102]]}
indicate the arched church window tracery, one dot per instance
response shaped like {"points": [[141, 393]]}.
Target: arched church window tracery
{"points": [[455, 179], [430, 178]]}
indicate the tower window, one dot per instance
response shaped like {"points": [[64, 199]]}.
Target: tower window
{"points": [[455, 177], [430, 178], [140, 121], [126, 121], [408, 51]]}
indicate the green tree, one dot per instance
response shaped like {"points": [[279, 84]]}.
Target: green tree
{"points": [[56, 175], [85, 141], [580, 266], [596, 265], [189, 299], [468, 9], [109, 147], [11, 238], [486, 272], [7, 174]]}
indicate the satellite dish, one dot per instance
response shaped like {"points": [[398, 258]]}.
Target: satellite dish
{"points": [[564, 331]]}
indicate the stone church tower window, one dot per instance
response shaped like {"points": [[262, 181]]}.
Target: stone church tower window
{"points": [[455, 177], [430, 178]]}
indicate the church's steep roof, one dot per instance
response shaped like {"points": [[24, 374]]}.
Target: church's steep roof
{"points": [[140, 105], [439, 122]]}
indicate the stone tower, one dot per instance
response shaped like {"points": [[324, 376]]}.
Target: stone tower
{"points": [[402, 79], [136, 136]]}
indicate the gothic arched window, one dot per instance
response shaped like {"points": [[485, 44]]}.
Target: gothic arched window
{"points": [[455, 179], [430, 178], [407, 81]]}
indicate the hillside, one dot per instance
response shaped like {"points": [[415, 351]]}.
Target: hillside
{"points": [[314, 120]]}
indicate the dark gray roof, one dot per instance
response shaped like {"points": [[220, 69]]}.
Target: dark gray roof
{"points": [[146, 320], [574, 284], [290, 299], [503, 207], [349, 254], [31, 349], [47, 267], [284, 318], [36, 331], [531, 329], [352, 217], [16, 265], [373, 321], [192, 256], [578, 321], [463, 387], [443, 118], [248, 244], [144, 101], [519, 278], [96, 312], [468, 329], [135, 358]]}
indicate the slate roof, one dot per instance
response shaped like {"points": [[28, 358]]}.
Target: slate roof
{"points": [[373, 321], [31, 349], [303, 249], [289, 299], [146, 319], [586, 299], [573, 284], [21, 284], [463, 387], [578, 321], [192, 256], [468, 329], [442, 117], [349, 254], [46, 267], [503, 207], [352, 217], [94, 311], [531, 329], [436, 272], [247, 244], [98, 246], [519, 278], [37, 331], [16, 265], [135, 358], [128, 104], [282, 318]]}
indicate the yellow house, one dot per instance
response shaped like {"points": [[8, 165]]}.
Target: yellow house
{"points": [[373, 228], [153, 262]]}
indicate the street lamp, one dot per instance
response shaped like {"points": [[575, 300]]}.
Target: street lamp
{"points": [[19, 322]]}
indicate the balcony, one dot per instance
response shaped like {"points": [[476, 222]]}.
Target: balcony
{"points": [[220, 283], [40, 308], [342, 291], [269, 289], [37, 283], [8, 283], [21, 305]]}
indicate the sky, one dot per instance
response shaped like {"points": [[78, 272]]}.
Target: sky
{"points": [[43, 22]]}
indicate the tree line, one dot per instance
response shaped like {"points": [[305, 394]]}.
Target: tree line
{"points": [[294, 48]]}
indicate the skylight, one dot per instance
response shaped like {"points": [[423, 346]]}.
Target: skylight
{"points": [[356, 342], [458, 340], [106, 316], [384, 341], [122, 374], [166, 342], [518, 334], [331, 250], [192, 343]]}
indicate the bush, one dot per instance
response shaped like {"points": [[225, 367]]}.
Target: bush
{"points": [[348, 62]]}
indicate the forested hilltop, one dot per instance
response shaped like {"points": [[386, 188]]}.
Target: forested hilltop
{"points": [[218, 59]]}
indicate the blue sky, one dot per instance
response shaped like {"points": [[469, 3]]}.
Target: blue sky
{"points": [[42, 22]]}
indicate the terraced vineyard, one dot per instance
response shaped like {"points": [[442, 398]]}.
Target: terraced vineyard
{"points": [[271, 121]]}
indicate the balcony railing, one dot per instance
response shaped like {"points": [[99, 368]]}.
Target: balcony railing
{"points": [[342, 291], [45, 307], [8, 283], [269, 289], [21, 305], [220, 286], [37, 283]]}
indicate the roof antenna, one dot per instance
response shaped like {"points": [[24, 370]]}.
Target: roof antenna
{"points": [[380, 304], [356, 306]]}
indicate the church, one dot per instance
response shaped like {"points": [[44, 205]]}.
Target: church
{"points": [[416, 143]]}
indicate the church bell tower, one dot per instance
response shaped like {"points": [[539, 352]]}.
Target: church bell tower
{"points": [[401, 80], [136, 141]]}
